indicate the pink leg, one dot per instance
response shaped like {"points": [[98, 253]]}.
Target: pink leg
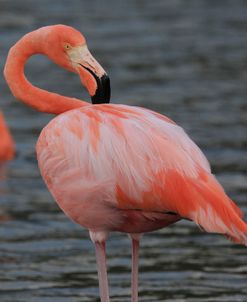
{"points": [[102, 271], [134, 274]]}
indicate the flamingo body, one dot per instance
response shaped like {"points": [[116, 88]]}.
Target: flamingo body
{"points": [[123, 168], [116, 167], [7, 147]]}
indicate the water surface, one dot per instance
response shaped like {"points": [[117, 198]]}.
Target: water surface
{"points": [[185, 59]]}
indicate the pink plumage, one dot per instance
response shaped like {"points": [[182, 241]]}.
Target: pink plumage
{"points": [[7, 146], [116, 167], [101, 162]]}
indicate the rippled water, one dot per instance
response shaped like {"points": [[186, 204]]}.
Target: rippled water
{"points": [[186, 59]]}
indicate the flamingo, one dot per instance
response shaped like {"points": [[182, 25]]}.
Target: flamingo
{"points": [[7, 147], [116, 168]]}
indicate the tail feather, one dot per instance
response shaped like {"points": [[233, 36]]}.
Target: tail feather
{"points": [[218, 213], [204, 201]]}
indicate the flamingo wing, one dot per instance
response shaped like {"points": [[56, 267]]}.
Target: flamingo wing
{"points": [[132, 158]]}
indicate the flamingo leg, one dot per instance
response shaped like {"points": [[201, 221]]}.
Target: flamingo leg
{"points": [[135, 260], [102, 271]]}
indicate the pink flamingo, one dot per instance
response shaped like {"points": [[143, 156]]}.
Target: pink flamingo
{"points": [[116, 167], [7, 146]]}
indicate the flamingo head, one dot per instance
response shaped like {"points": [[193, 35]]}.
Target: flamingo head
{"points": [[67, 47]]}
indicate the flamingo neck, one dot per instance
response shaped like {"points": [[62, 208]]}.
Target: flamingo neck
{"points": [[23, 90]]}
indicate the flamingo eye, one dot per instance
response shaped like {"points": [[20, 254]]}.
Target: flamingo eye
{"points": [[67, 46]]}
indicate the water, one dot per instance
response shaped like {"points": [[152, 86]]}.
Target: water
{"points": [[186, 59]]}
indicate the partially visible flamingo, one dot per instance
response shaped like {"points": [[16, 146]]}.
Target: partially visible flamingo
{"points": [[7, 146], [116, 167]]}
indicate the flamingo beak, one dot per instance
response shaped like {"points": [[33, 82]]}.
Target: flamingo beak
{"points": [[102, 94], [103, 91], [92, 75]]}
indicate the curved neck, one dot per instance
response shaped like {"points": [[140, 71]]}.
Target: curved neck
{"points": [[23, 90]]}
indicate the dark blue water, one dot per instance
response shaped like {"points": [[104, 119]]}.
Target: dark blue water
{"points": [[185, 59]]}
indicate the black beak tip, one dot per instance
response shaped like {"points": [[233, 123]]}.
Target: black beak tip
{"points": [[103, 91]]}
